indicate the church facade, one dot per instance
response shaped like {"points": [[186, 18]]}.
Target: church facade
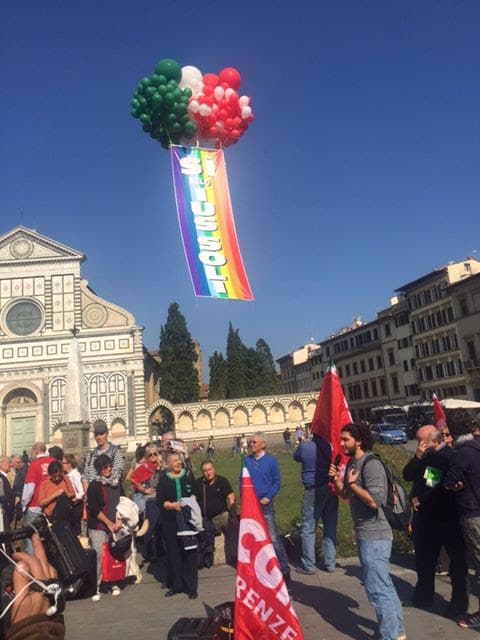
{"points": [[42, 298]]}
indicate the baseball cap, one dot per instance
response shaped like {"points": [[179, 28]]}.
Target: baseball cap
{"points": [[100, 429]]}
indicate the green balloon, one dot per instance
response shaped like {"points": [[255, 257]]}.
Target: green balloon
{"points": [[134, 113], [146, 128], [162, 89], [177, 93], [172, 84], [145, 82], [155, 80], [134, 103], [180, 109], [149, 91], [169, 98], [142, 101], [169, 68], [156, 99], [187, 93], [145, 119], [189, 129], [171, 118], [184, 119]]}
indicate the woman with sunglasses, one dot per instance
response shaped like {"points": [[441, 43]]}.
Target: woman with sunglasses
{"points": [[144, 482], [103, 496]]}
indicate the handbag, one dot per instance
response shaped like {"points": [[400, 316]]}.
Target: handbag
{"points": [[113, 569]]}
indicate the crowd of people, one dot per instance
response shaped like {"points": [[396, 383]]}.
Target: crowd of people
{"points": [[180, 514]]}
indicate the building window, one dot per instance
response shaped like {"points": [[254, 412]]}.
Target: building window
{"points": [[366, 393], [463, 306], [383, 387], [24, 318], [379, 362], [388, 331], [371, 366], [362, 366], [395, 386], [391, 357], [373, 384], [347, 370], [355, 369], [405, 365]]}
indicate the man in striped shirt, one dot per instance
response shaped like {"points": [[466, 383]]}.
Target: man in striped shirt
{"points": [[100, 433]]}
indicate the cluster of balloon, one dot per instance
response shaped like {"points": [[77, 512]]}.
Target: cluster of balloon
{"points": [[221, 115], [161, 105]]}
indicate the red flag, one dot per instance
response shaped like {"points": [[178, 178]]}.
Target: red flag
{"points": [[262, 605], [332, 412], [439, 417]]}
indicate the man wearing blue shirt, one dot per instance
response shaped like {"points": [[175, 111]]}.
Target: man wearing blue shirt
{"points": [[265, 474], [318, 502]]}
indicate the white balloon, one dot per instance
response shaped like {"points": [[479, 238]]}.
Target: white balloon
{"points": [[228, 93], [218, 92], [204, 110], [189, 75], [193, 106], [246, 111], [243, 101]]}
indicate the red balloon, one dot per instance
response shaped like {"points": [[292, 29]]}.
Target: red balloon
{"points": [[222, 114], [235, 133], [212, 132], [229, 123], [237, 122], [225, 85], [234, 97], [208, 90], [230, 75], [210, 79]]}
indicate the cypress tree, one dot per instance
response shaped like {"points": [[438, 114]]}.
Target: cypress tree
{"points": [[218, 377], [268, 379], [179, 378], [235, 364]]}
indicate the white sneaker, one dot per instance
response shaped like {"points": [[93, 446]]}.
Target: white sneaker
{"points": [[96, 597], [115, 591]]}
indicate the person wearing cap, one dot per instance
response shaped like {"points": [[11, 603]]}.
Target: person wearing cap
{"points": [[100, 433], [103, 496]]}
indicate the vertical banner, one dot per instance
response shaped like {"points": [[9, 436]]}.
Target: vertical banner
{"points": [[206, 224]]}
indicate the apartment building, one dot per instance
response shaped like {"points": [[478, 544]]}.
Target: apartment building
{"points": [[465, 296], [358, 354], [295, 369], [398, 352], [436, 345]]}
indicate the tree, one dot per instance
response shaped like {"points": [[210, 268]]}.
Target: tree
{"points": [[235, 364], [179, 377], [268, 379], [218, 377]]}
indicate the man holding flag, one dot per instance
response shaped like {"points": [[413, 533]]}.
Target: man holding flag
{"points": [[262, 604]]}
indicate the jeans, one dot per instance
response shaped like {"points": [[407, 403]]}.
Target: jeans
{"points": [[375, 560], [319, 502], [28, 518], [269, 515]]}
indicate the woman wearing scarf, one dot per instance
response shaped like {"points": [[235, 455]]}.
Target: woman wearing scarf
{"points": [[103, 496], [182, 563]]}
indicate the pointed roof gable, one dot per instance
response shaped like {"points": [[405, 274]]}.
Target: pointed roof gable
{"points": [[26, 245]]}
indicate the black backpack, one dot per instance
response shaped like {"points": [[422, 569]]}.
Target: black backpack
{"points": [[397, 508]]}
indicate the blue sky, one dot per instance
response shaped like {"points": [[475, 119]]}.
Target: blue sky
{"points": [[359, 173]]}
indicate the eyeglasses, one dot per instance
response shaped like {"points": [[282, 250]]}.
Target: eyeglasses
{"points": [[445, 434], [152, 455]]}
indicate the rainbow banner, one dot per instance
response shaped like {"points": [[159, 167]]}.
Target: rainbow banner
{"points": [[206, 223]]}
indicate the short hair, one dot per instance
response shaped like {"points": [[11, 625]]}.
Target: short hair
{"points": [[173, 455], [56, 452], [39, 447], [71, 459], [459, 422], [55, 467], [205, 462], [261, 435], [361, 433], [101, 462], [2, 458]]}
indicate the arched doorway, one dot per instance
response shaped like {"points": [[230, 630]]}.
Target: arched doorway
{"points": [[161, 421], [20, 413]]}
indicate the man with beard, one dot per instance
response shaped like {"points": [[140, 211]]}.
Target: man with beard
{"points": [[365, 485]]}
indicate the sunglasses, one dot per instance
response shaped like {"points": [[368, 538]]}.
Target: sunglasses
{"points": [[153, 455], [445, 434]]}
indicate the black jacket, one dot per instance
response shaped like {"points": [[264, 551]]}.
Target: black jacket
{"points": [[466, 469], [436, 503], [7, 498]]}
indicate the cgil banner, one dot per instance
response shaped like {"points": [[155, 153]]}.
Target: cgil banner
{"points": [[206, 224]]}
